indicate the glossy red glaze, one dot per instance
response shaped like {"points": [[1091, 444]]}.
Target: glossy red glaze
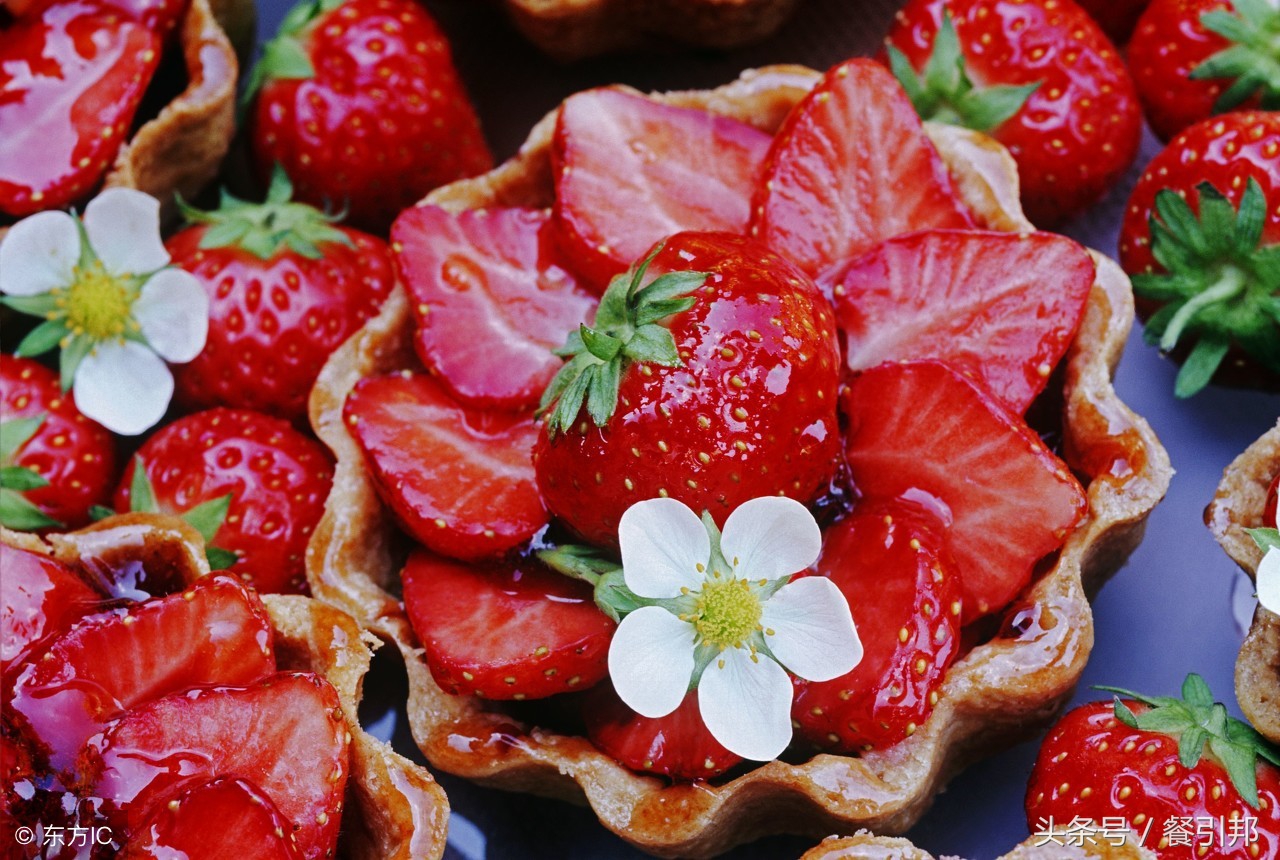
{"points": [[224, 819], [39, 599], [1269, 509]]}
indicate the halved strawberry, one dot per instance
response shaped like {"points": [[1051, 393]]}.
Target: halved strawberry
{"points": [[39, 599], [678, 745], [216, 632], [223, 819], [286, 735], [459, 479], [1001, 307], [849, 168], [630, 170], [890, 559], [506, 630], [490, 298], [921, 431]]}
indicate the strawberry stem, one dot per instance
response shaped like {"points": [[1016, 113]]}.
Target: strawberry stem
{"points": [[1230, 285]]}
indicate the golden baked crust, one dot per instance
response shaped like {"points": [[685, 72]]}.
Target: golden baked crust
{"points": [[574, 29], [1000, 692], [393, 808], [866, 846], [1237, 506]]}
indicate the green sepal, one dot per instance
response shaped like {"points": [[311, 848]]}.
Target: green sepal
{"points": [[142, 496], [42, 338], [21, 478], [37, 306], [15, 433], [1200, 366], [1266, 539], [220, 559], [590, 565], [206, 517], [1251, 60], [69, 360], [98, 513], [284, 57], [20, 515], [209, 516]]}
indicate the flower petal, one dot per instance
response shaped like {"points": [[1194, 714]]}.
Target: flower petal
{"points": [[770, 537], [125, 387], [124, 230], [813, 634], [1269, 581], [173, 310], [662, 544], [39, 254], [747, 704], [651, 661]]}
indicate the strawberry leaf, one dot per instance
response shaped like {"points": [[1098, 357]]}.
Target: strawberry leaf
{"points": [[142, 496], [220, 559], [209, 516], [1266, 539], [20, 515], [21, 478], [16, 433]]}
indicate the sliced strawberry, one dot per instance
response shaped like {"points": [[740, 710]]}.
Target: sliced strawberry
{"points": [[460, 480], [678, 745], [216, 632], [224, 819], [890, 560], [849, 168], [630, 170], [285, 735], [490, 299], [1001, 307], [39, 599], [505, 631], [921, 431]]}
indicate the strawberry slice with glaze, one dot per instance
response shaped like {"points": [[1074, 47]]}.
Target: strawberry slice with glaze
{"points": [[850, 167], [1001, 307], [923, 432], [285, 735], [630, 170], [459, 479], [216, 632], [39, 599], [505, 630], [223, 819], [490, 298]]}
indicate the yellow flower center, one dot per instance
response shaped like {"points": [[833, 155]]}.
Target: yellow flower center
{"points": [[727, 612], [97, 303]]}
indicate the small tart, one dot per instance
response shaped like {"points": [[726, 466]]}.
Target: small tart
{"points": [[1237, 506], [393, 807], [1000, 692], [866, 846]]}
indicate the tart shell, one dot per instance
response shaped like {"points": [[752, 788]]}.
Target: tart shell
{"points": [[1000, 692], [866, 846]]}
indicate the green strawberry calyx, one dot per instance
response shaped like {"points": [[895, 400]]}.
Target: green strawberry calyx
{"points": [[285, 57], [266, 229], [1252, 59], [1200, 724], [1220, 287], [628, 330], [16, 512], [1266, 539], [943, 91]]}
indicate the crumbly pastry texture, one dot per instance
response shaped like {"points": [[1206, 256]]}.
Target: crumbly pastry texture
{"points": [[1001, 691]]}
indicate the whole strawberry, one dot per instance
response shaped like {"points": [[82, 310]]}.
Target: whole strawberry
{"points": [[360, 103], [55, 464], [713, 383], [1038, 76], [1200, 238], [1162, 766], [286, 287], [1191, 59], [270, 480]]}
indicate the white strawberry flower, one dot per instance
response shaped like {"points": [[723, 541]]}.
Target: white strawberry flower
{"points": [[1269, 580], [110, 301], [727, 619]]}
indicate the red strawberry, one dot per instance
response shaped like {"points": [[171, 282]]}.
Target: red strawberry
{"points": [[286, 287], [285, 735], [276, 478], [506, 630], [1269, 509], [39, 599], [158, 16], [849, 168], [1200, 238], [57, 463], [458, 479], [216, 632], [890, 560], [713, 383], [1162, 765], [1002, 307], [361, 106], [1039, 76], [1117, 18], [224, 819], [678, 745], [71, 79], [490, 298], [630, 170], [1193, 58], [922, 432]]}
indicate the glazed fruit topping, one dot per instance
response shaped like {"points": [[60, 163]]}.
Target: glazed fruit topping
{"points": [[923, 432], [1269, 508], [508, 630], [39, 599], [458, 478]]}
